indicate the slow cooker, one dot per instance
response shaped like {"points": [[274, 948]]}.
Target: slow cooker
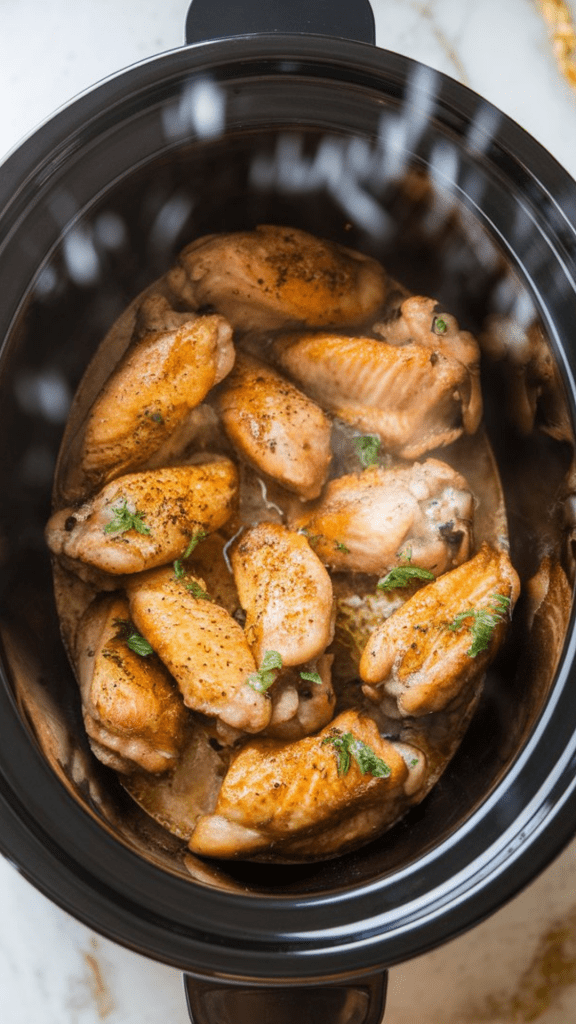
{"points": [[299, 120]]}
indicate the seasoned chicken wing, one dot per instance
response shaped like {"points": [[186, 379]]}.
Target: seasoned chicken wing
{"points": [[380, 518], [429, 650], [145, 519], [285, 592], [202, 645], [274, 792], [275, 427], [174, 359], [275, 276], [420, 321], [414, 397], [133, 713]]}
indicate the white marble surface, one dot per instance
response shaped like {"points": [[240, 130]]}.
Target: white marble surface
{"points": [[519, 965]]}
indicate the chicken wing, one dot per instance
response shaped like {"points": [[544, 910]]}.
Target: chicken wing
{"points": [[133, 713], [275, 792], [371, 521], [276, 428], [420, 321], [202, 645], [145, 519], [414, 397], [285, 592], [275, 276], [426, 653], [174, 359]]}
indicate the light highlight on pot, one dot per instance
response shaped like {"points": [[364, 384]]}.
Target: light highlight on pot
{"points": [[201, 110]]}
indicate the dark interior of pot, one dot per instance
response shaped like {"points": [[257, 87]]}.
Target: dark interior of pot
{"points": [[394, 197]]}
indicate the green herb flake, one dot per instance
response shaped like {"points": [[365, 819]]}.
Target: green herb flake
{"points": [[413, 762], [139, 645], [483, 623], [179, 570], [367, 447], [342, 547], [125, 520], [197, 591], [132, 638], [312, 538], [311, 677], [402, 575], [266, 675], [348, 746], [439, 325]]}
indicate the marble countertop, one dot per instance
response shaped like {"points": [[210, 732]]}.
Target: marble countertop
{"points": [[521, 964]]}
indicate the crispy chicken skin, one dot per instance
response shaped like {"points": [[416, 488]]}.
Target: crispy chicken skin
{"points": [[414, 397], [276, 276], [133, 713], [415, 659], [172, 363], [274, 792], [374, 520], [203, 647], [174, 504], [275, 427], [285, 592]]}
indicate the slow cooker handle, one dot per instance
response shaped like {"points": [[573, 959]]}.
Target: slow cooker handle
{"points": [[360, 1002], [346, 19]]}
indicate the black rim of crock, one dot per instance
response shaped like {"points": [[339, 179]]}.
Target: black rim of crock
{"points": [[265, 939]]}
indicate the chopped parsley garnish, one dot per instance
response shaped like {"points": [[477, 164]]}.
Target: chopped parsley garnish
{"points": [[262, 679], [347, 746], [132, 638], [197, 591], [125, 520], [311, 677], [139, 645], [195, 539], [342, 547], [413, 762], [439, 325], [402, 575], [483, 622], [367, 447], [312, 538]]}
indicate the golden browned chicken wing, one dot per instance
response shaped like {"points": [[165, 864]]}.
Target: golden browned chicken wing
{"points": [[285, 592], [380, 518], [446, 634], [275, 276], [202, 646], [133, 713], [145, 519], [276, 428], [420, 321], [413, 397], [275, 792], [174, 359]]}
